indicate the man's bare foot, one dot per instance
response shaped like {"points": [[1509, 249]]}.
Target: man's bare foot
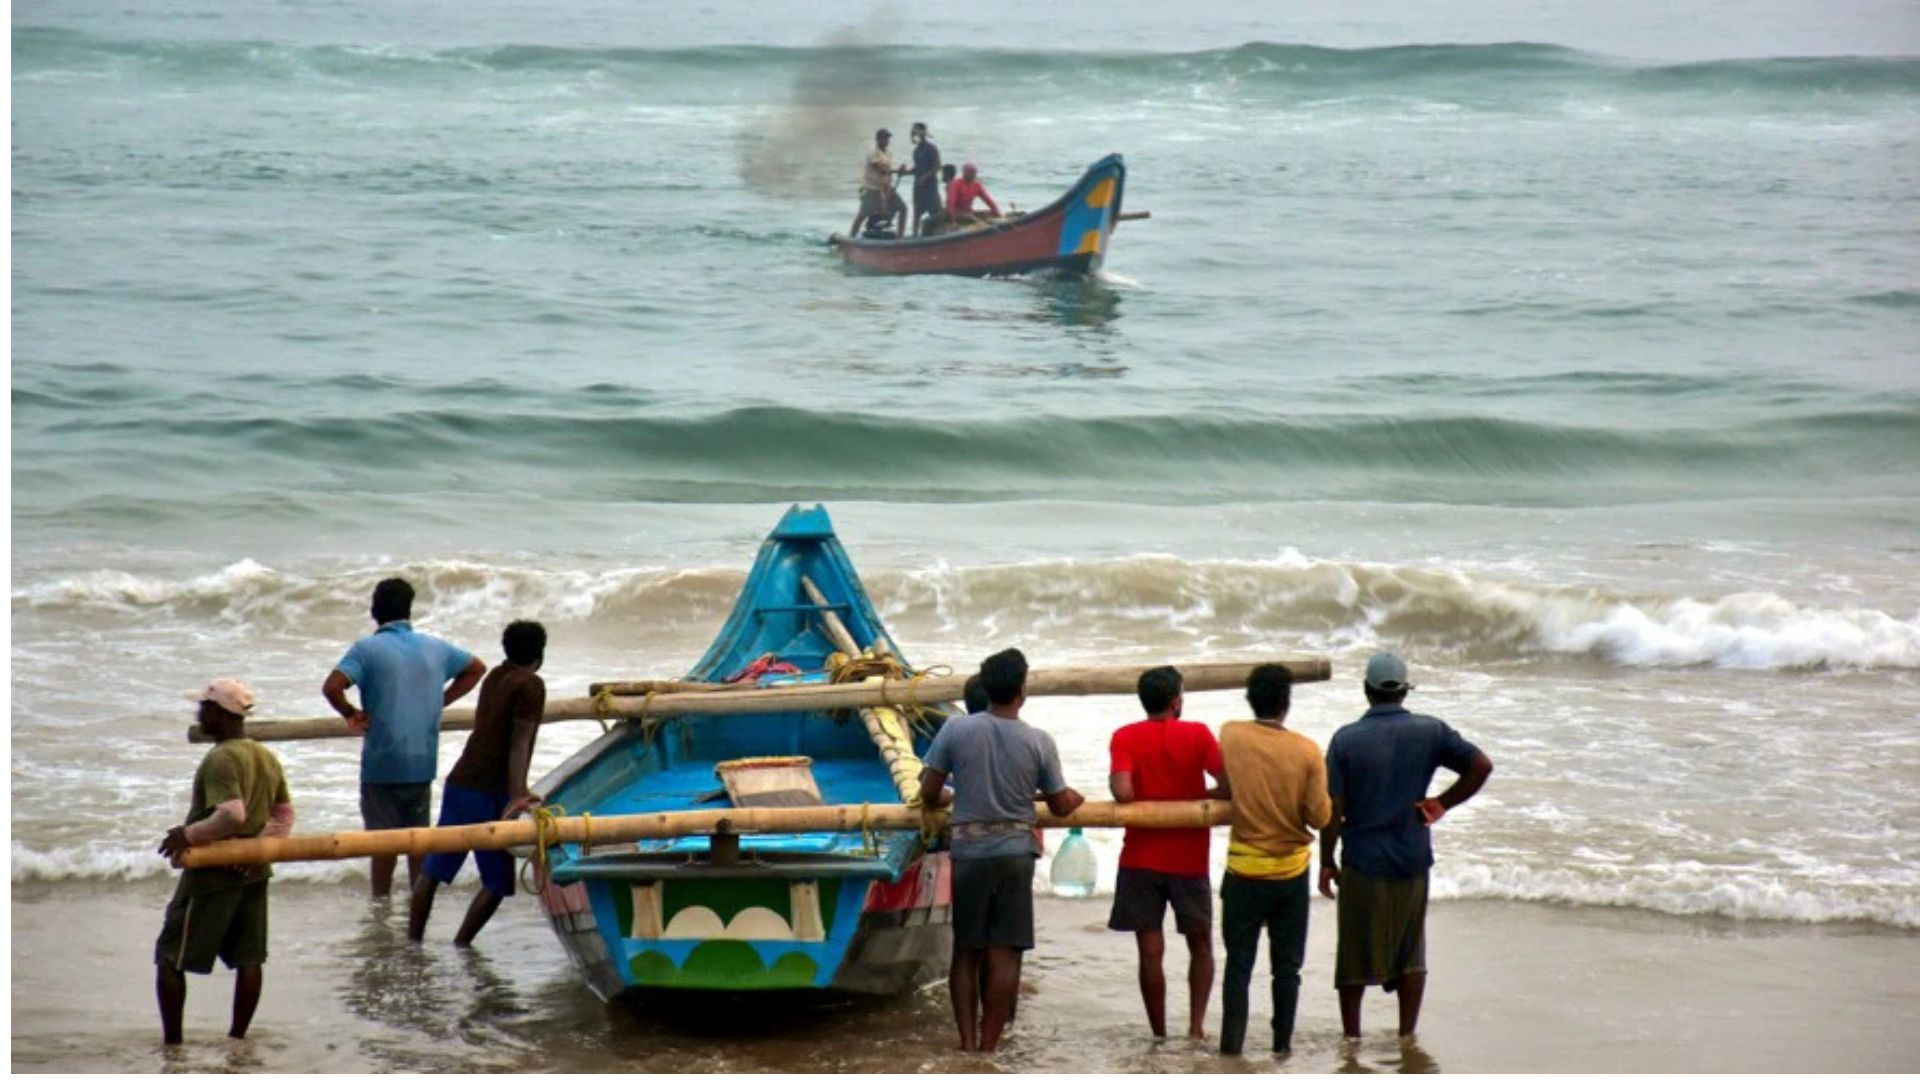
{"points": [[1197, 1034]]}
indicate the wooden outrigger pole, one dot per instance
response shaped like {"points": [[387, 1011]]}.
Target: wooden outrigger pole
{"points": [[626, 828], [820, 697]]}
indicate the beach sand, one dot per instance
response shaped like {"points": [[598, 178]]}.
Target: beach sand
{"points": [[1514, 986]]}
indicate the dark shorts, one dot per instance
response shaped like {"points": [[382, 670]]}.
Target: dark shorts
{"points": [[881, 203], [993, 902], [465, 806], [1383, 928], [927, 200], [396, 806], [229, 923], [1140, 899]]}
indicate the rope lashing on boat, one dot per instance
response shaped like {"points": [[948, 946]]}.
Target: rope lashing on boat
{"points": [[866, 829], [546, 831], [603, 707], [546, 834]]}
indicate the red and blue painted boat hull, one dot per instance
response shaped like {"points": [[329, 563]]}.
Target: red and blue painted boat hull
{"points": [[1071, 235]]}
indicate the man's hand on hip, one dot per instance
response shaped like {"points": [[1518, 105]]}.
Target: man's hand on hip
{"points": [[1329, 877]]}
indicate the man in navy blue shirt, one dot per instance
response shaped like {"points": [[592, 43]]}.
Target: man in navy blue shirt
{"points": [[1378, 769], [927, 197]]}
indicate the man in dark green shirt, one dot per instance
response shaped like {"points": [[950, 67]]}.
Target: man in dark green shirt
{"points": [[219, 911]]}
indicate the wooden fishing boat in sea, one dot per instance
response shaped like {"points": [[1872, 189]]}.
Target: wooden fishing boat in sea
{"points": [[1071, 235], [863, 911]]}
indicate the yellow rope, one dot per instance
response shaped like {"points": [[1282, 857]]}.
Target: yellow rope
{"points": [[603, 708], [546, 833]]}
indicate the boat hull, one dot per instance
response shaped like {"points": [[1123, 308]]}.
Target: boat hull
{"points": [[867, 911], [1069, 236], [879, 938]]}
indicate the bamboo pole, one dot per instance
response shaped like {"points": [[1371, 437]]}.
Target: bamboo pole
{"points": [[887, 728], [662, 686], [821, 697], [625, 828]]}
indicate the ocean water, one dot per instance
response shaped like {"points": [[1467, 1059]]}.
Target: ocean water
{"points": [[1570, 353]]}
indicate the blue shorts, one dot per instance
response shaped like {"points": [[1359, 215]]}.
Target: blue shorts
{"points": [[465, 806]]}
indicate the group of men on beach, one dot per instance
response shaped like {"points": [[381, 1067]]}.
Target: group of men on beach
{"points": [[1369, 790], [404, 679], [934, 208]]}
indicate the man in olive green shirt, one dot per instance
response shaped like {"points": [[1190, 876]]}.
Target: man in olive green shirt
{"points": [[220, 911]]}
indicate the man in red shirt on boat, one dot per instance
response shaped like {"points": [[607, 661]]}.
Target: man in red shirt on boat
{"points": [[1165, 757], [961, 193]]}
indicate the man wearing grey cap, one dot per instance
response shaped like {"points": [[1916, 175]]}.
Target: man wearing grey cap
{"points": [[1378, 770]]}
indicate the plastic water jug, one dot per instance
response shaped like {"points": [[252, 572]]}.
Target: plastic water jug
{"points": [[1074, 867]]}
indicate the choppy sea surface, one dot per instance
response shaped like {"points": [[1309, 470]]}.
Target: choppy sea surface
{"points": [[1574, 357]]}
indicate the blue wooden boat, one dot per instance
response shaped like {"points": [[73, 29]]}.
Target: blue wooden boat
{"points": [[849, 911]]}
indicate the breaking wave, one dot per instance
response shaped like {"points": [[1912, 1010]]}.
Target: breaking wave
{"points": [[1216, 605]]}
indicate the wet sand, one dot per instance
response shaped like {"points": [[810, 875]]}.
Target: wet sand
{"points": [[1514, 987]]}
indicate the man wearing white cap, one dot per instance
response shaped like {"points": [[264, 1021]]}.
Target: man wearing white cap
{"points": [[218, 911], [1378, 770]]}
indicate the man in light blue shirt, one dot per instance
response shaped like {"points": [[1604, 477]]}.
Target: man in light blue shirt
{"points": [[404, 683]]}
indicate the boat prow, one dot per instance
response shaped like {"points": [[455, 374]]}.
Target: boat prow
{"points": [[1070, 235]]}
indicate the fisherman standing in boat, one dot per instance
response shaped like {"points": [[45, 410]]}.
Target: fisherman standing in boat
{"points": [[489, 782], [1165, 757], [878, 199], [403, 679], [928, 204], [221, 911], [997, 762]]}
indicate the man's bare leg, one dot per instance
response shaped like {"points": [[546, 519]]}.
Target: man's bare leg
{"points": [[382, 873], [485, 903], [170, 986], [1153, 978], [963, 985], [246, 998], [1413, 987], [420, 909], [1000, 976], [1350, 1010], [1013, 1007], [1199, 981]]}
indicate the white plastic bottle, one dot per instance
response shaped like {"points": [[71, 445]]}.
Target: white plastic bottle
{"points": [[1074, 867]]}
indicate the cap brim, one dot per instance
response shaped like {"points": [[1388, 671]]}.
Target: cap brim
{"points": [[195, 696]]}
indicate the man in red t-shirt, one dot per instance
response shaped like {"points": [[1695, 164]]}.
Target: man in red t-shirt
{"points": [[962, 192], [1165, 757]]}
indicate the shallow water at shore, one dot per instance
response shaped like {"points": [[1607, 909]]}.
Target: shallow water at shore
{"points": [[1515, 987]]}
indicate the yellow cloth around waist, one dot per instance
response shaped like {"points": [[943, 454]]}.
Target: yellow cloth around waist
{"points": [[1249, 861]]}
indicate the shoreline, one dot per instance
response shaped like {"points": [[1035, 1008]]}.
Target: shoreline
{"points": [[1515, 987]]}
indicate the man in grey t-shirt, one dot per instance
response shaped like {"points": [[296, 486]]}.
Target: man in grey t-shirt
{"points": [[998, 763]]}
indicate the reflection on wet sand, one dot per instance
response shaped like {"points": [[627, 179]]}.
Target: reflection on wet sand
{"points": [[1403, 1055]]}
